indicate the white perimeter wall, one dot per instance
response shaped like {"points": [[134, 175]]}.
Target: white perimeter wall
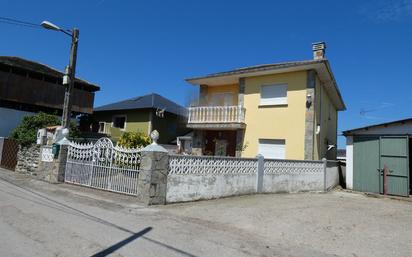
{"points": [[192, 187], [292, 183], [9, 119], [349, 162]]}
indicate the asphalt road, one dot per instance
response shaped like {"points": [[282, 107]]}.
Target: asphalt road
{"points": [[39, 219]]}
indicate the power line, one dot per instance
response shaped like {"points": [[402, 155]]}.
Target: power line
{"points": [[16, 22]]}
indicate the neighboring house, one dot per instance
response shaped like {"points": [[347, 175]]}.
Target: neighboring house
{"points": [[142, 114], [370, 149], [283, 110], [341, 155], [28, 87]]}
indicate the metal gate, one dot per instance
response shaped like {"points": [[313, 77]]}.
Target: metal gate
{"points": [[103, 166]]}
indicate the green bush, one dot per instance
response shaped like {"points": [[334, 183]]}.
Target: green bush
{"points": [[26, 133], [133, 140]]}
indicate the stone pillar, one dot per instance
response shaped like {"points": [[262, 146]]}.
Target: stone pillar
{"points": [[240, 135], [53, 170], [197, 143], [154, 167], [241, 96], [310, 115], [203, 95]]}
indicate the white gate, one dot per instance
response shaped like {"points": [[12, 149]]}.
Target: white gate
{"points": [[103, 166]]}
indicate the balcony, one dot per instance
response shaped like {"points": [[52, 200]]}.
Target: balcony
{"points": [[216, 117]]}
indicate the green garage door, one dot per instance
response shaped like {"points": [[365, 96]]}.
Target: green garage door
{"points": [[371, 154], [394, 154], [366, 175]]}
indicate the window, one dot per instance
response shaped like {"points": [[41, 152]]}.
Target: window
{"points": [[119, 121], [101, 127], [274, 94], [221, 99], [272, 148]]}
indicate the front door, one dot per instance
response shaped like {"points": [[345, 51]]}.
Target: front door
{"points": [[394, 155]]}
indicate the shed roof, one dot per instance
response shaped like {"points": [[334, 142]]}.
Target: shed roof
{"points": [[385, 124], [152, 100], [37, 67]]}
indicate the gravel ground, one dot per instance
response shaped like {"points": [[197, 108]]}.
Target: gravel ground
{"points": [[40, 219]]}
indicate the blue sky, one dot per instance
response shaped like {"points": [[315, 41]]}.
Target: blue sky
{"points": [[131, 48]]}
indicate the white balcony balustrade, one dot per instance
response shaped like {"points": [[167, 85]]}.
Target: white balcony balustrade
{"points": [[216, 114]]}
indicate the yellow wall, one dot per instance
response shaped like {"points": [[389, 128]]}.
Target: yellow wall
{"points": [[276, 122], [326, 115], [223, 89], [136, 121]]}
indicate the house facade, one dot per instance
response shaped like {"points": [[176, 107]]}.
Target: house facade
{"points": [[284, 110], [28, 87], [142, 114]]}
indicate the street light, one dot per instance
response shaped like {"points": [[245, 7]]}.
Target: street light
{"points": [[70, 72]]}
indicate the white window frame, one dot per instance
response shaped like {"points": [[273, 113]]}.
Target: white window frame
{"points": [[120, 116], [272, 141], [104, 126], [274, 101], [225, 95]]}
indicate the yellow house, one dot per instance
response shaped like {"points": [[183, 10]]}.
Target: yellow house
{"points": [[284, 111]]}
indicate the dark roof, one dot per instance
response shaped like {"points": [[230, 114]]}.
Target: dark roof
{"points": [[341, 152], [143, 102], [261, 67], [293, 65], [349, 132], [21, 63]]}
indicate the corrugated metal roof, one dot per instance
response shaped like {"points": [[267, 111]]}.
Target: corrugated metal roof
{"points": [[142, 102], [32, 66], [400, 122]]}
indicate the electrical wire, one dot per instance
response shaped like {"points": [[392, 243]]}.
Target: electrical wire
{"points": [[16, 22]]}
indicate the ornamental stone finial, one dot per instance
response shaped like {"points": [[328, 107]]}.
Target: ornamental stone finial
{"points": [[154, 136]]}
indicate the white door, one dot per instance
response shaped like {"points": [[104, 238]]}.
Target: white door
{"points": [[272, 148]]}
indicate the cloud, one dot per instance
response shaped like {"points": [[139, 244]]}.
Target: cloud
{"points": [[382, 11]]}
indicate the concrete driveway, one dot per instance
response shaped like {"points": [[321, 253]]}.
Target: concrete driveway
{"points": [[39, 219]]}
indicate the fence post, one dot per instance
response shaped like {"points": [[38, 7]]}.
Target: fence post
{"points": [[154, 167], [325, 163], [260, 173]]}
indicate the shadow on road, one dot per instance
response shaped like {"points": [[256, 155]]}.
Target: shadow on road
{"points": [[73, 211], [122, 243]]}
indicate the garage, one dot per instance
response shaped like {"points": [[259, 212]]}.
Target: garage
{"points": [[378, 158]]}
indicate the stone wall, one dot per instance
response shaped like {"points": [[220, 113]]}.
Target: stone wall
{"points": [[28, 159]]}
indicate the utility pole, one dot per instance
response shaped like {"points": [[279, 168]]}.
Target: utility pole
{"points": [[71, 73]]}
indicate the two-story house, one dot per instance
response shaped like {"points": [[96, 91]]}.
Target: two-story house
{"points": [[142, 114], [284, 110]]}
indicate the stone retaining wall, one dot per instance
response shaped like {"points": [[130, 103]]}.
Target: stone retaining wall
{"points": [[28, 159]]}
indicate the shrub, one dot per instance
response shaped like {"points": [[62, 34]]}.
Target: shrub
{"points": [[133, 140], [26, 133]]}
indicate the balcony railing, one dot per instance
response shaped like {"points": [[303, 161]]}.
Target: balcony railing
{"points": [[217, 114]]}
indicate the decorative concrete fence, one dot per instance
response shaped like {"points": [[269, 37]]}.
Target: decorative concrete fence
{"points": [[156, 177], [201, 177]]}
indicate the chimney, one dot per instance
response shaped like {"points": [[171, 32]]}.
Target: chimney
{"points": [[318, 49]]}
